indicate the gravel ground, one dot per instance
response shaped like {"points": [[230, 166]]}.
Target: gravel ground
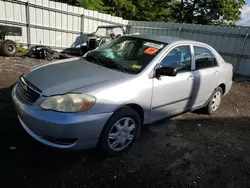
{"points": [[191, 150]]}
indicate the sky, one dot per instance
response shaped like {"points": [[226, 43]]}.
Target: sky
{"points": [[245, 16]]}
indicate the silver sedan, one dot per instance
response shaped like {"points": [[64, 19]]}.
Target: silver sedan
{"points": [[104, 98]]}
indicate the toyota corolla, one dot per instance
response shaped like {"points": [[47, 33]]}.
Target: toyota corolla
{"points": [[104, 98]]}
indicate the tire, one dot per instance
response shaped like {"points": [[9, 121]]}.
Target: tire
{"points": [[8, 48], [211, 107], [106, 140]]}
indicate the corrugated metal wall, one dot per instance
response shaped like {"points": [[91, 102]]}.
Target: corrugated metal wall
{"points": [[232, 43], [52, 23]]}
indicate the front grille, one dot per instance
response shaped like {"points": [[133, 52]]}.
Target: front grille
{"points": [[27, 92]]}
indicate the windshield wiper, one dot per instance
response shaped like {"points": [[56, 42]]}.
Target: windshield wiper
{"points": [[112, 63], [95, 58], [99, 59]]}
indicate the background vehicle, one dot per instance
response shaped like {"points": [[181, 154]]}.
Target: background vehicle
{"points": [[41, 52], [88, 42], [104, 98], [8, 47]]}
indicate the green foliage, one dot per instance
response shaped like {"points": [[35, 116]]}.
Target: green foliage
{"points": [[121, 8], [91, 4], [210, 12], [143, 10], [157, 10], [21, 49], [231, 11]]}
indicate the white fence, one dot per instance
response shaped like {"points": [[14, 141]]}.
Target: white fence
{"points": [[52, 23]]}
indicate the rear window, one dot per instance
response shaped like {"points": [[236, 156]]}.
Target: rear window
{"points": [[204, 58]]}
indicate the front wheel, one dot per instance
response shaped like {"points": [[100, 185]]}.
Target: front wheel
{"points": [[120, 132], [214, 101]]}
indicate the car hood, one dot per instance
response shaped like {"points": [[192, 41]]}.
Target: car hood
{"points": [[68, 75]]}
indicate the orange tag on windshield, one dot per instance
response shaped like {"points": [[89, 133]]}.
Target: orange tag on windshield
{"points": [[151, 51]]}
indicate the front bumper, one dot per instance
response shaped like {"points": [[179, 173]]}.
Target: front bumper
{"points": [[60, 130]]}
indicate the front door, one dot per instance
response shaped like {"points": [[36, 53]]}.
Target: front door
{"points": [[172, 95]]}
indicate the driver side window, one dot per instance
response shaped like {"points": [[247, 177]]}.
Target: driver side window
{"points": [[179, 57]]}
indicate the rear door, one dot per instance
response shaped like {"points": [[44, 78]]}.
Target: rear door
{"points": [[207, 73]]}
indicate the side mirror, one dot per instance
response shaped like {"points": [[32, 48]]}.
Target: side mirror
{"points": [[166, 71]]}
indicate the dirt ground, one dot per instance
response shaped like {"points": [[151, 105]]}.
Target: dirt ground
{"points": [[191, 150]]}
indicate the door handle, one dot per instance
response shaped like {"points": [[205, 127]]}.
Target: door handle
{"points": [[191, 77], [216, 72]]}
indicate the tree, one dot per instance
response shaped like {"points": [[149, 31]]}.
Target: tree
{"points": [[209, 12], [206, 12], [142, 10], [154, 10], [91, 4], [121, 8]]}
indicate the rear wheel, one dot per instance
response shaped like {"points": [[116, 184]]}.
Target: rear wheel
{"points": [[120, 132], [8, 48], [214, 101]]}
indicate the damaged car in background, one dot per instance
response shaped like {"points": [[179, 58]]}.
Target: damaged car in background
{"points": [[105, 97], [88, 42]]}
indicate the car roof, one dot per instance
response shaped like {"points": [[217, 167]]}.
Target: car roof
{"points": [[165, 39]]}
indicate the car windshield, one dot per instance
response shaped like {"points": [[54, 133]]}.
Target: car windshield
{"points": [[126, 54]]}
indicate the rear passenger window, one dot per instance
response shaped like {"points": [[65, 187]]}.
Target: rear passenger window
{"points": [[204, 58]]}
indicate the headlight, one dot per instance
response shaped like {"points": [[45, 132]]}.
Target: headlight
{"points": [[68, 103]]}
